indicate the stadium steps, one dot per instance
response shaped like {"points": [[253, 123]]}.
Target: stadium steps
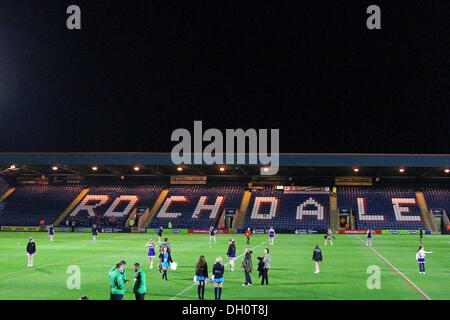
{"points": [[6, 194], [239, 219], [446, 221], [147, 217], [221, 219], [71, 206], [430, 222], [334, 213]]}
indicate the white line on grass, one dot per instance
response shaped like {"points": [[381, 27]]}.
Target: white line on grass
{"points": [[57, 263], [412, 284], [194, 284]]}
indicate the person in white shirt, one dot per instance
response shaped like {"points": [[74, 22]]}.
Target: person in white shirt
{"points": [[329, 236], [420, 257]]}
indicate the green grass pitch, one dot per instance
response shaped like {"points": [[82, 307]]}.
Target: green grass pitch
{"points": [[343, 272]]}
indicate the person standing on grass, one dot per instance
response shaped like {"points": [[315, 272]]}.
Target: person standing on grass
{"points": [[231, 253], [94, 232], [271, 235], [420, 257], [151, 245], [160, 233], [201, 273], [117, 283], [265, 272], [165, 244], [212, 235], [165, 260], [31, 251], [317, 257], [421, 236], [247, 267], [329, 236], [248, 234], [369, 237], [140, 287], [124, 272], [218, 271], [51, 232]]}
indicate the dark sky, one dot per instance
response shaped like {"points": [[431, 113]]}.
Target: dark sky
{"points": [[140, 69]]}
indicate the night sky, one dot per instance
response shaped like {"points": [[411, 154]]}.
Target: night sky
{"points": [[140, 69]]}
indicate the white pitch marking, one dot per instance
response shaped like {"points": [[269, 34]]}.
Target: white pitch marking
{"points": [[412, 284], [189, 287]]}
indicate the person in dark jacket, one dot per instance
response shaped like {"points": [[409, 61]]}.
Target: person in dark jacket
{"points": [[266, 266], [31, 251], [166, 244], [201, 273], [160, 232], [317, 257], [260, 266], [231, 253], [218, 271], [247, 267], [165, 260]]}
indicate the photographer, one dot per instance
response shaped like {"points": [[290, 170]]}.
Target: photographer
{"points": [[247, 267]]}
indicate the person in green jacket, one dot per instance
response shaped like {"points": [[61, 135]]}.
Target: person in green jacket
{"points": [[124, 273], [140, 287], [117, 283]]}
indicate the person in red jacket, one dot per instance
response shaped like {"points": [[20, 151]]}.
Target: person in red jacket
{"points": [[248, 234]]}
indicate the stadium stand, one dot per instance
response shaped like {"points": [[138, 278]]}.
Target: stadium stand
{"points": [[382, 208], [28, 204], [438, 199], [4, 186], [197, 206], [200, 206], [288, 211], [110, 205]]}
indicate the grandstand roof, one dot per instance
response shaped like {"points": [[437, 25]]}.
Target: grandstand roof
{"points": [[286, 159], [160, 164]]}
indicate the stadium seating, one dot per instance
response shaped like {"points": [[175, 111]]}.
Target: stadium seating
{"points": [[28, 204], [288, 211], [4, 186], [200, 206], [183, 205], [118, 200], [382, 208], [438, 199]]}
